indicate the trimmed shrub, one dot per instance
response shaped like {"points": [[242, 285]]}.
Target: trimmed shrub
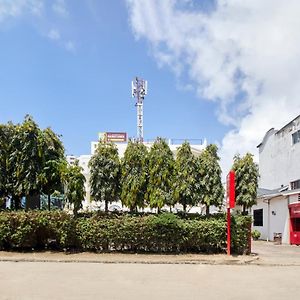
{"points": [[241, 234], [121, 232]]}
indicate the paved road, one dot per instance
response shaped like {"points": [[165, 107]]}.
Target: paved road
{"points": [[52, 280]]}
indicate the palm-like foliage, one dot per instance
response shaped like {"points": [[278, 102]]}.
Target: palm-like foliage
{"points": [[105, 173], [134, 175]]}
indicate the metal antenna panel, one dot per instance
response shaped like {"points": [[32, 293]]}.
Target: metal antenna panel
{"points": [[139, 89]]}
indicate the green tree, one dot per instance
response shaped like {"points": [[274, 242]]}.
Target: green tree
{"points": [[187, 181], [246, 180], [53, 159], [212, 191], [30, 161], [161, 173], [26, 161], [105, 173], [7, 132], [134, 175], [74, 186]]}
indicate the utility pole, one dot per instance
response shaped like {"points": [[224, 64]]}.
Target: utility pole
{"points": [[139, 91]]}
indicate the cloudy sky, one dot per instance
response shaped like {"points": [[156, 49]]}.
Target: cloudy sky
{"points": [[225, 70]]}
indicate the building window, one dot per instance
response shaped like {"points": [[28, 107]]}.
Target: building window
{"points": [[258, 217], [295, 184], [296, 137]]}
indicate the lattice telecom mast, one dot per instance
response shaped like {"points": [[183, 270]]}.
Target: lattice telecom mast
{"points": [[139, 91]]}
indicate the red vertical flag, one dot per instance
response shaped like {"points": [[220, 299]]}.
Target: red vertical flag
{"points": [[230, 198]]}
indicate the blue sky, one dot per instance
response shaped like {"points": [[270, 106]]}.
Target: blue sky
{"points": [[225, 70], [87, 89]]}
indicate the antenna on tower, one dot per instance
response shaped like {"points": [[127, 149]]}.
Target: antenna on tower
{"points": [[139, 91]]}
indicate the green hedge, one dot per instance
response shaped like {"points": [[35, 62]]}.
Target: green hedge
{"points": [[149, 233]]}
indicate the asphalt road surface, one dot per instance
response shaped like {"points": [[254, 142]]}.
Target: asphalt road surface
{"points": [[57, 280]]}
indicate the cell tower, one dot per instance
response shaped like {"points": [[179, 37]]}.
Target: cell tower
{"points": [[139, 91]]}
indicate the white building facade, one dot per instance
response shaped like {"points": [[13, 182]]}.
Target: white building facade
{"points": [[279, 169]]}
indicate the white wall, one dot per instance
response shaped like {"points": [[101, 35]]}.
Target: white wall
{"points": [[293, 198], [279, 162], [277, 219], [262, 229]]}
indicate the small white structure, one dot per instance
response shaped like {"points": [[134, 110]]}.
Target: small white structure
{"points": [[279, 168], [271, 214], [83, 161]]}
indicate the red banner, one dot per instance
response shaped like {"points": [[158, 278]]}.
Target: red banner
{"points": [[230, 189]]}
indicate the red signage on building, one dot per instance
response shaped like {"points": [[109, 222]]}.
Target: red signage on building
{"points": [[294, 223], [116, 136], [230, 189], [294, 210]]}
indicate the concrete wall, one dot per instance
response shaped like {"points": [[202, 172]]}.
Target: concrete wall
{"points": [[279, 162]]}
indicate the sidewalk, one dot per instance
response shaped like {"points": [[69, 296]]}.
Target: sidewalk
{"points": [[263, 253], [117, 258], [276, 255]]}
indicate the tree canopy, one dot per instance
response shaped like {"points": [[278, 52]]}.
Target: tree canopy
{"points": [[53, 161], [212, 191], [134, 175], [6, 133], [187, 180], [105, 173], [74, 186], [28, 160], [246, 178], [161, 175]]}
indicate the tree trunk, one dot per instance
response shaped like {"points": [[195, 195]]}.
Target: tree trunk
{"points": [[184, 208], [244, 210], [207, 210], [75, 212], [106, 206], [3, 204], [15, 202], [49, 202], [33, 200]]}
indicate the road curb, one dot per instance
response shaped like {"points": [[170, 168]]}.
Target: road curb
{"points": [[150, 262]]}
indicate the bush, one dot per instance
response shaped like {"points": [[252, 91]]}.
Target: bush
{"points": [[121, 232], [255, 234], [241, 234]]}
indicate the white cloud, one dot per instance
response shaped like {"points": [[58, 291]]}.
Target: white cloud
{"points": [[16, 8], [60, 8], [70, 46], [244, 55], [54, 34], [33, 12]]}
